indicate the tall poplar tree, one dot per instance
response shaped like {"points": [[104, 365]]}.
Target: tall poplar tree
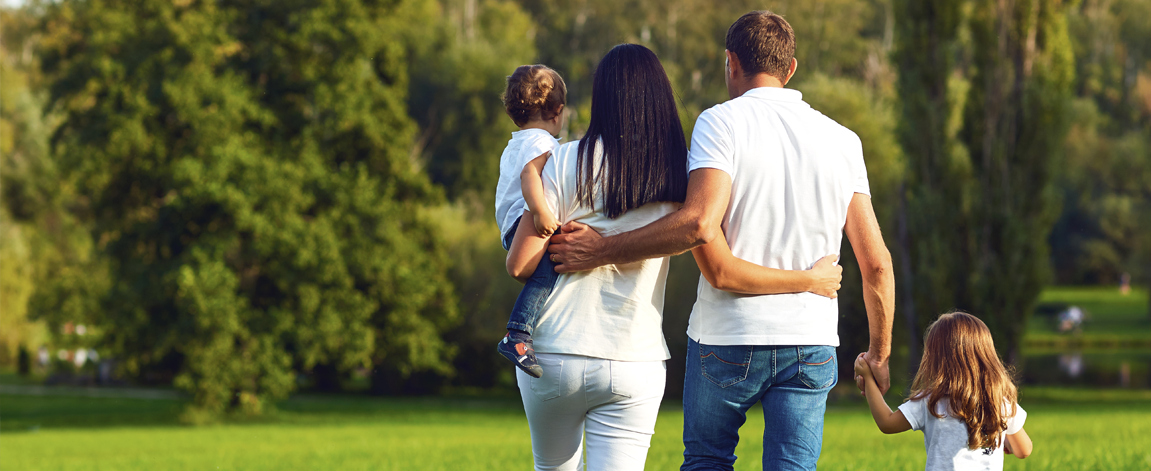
{"points": [[981, 142], [1014, 122], [931, 217]]}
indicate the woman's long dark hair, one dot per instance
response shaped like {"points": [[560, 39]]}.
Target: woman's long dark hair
{"points": [[644, 152]]}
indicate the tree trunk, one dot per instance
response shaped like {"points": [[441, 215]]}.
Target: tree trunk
{"points": [[906, 287]]}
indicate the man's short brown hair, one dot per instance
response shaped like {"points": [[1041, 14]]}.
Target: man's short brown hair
{"points": [[763, 42]]}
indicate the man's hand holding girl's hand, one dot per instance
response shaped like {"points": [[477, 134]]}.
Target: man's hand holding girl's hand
{"points": [[867, 368]]}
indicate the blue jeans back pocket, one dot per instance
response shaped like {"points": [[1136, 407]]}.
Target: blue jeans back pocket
{"points": [[818, 367], [724, 365]]}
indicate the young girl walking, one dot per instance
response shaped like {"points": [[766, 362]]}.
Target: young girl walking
{"points": [[962, 399]]}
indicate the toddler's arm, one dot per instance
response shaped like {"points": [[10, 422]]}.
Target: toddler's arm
{"points": [[888, 422], [533, 188], [1018, 444], [526, 251]]}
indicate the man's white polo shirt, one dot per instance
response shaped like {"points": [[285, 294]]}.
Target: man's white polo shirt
{"points": [[793, 174]]}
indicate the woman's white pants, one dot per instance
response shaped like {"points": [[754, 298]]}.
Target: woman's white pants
{"points": [[613, 403]]}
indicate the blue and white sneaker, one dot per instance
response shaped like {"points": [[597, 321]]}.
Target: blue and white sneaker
{"points": [[517, 347]]}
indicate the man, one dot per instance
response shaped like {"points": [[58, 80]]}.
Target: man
{"points": [[783, 183]]}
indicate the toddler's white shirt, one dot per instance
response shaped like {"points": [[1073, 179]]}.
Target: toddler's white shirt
{"points": [[523, 147]]}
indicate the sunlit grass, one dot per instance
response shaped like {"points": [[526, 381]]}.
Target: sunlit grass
{"points": [[1072, 429]]}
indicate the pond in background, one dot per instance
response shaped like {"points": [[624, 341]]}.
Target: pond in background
{"points": [[1125, 369]]}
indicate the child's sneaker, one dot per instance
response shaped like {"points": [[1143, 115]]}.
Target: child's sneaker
{"points": [[517, 347]]}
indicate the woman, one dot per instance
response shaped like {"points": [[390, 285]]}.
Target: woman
{"points": [[599, 338]]}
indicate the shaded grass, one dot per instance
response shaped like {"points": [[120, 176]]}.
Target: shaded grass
{"points": [[23, 413], [1072, 429]]}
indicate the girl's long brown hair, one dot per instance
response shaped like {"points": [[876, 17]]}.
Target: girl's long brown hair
{"points": [[960, 364]]}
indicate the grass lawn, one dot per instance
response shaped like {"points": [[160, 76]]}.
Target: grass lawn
{"points": [[1113, 319], [1072, 429]]}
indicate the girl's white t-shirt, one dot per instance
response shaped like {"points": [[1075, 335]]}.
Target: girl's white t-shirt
{"points": [[946, 438], [613, 312], [523, 147]]}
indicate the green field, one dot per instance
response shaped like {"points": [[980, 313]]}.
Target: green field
{"points": [[1072, 429]]}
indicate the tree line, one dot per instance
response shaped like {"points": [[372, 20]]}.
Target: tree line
{"points": [[248, 197]]}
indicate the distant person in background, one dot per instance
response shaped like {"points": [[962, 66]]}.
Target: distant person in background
{"points": [[1125, 284], [43, 357], [1071, 319], [962, 399], [1072, 364], [534, 99], [599, 337]]}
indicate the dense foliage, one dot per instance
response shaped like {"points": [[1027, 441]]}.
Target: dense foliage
{"points": [[243, 168], [245, 197]]}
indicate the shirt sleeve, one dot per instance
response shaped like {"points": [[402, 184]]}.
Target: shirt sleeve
{"points": [[914, 412], [1015, 424], [859, 165], [534, 148], [711, 144]]}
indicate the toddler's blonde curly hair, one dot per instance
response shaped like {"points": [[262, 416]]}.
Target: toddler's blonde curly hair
{"points": [[534, 91]]}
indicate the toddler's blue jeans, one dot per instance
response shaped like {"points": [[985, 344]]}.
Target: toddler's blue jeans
{"points": [[536, 291]]}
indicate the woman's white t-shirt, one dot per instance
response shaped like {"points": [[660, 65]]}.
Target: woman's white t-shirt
{"points": [[946, 438], [613, 312]]}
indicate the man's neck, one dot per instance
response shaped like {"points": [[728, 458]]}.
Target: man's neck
{"points": [[758, 81]]}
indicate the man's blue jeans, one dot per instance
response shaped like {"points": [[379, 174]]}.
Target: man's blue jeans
{"points": [[723, 382]]}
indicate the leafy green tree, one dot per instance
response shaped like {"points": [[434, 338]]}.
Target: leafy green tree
{"points": [[37, 235], [244, 166], [835, 37], [460, 63]]}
